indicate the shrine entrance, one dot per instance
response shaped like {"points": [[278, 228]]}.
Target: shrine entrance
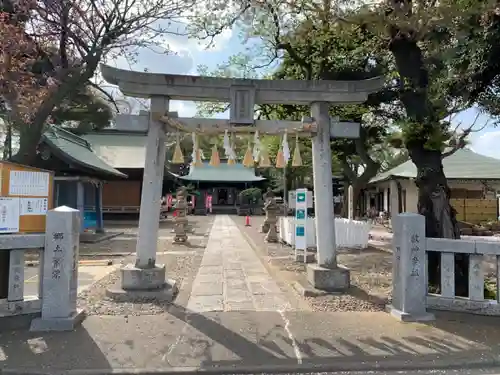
{"points": [[242, 95], [222, 196]]}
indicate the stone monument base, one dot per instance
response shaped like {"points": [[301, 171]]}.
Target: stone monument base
{"points": [[310, 258], [329, 279], [135, 278], [143, 283], [58, 324], [407, 317]]}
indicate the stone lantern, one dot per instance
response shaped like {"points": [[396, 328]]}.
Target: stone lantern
{"points": [[180, 221]]}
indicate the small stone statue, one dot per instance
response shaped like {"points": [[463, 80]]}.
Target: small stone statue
{"points": [[268, 195], [271, 209], [180, 221]]}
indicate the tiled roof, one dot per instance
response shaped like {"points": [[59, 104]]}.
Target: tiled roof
{"points": [[120, 150], [464, 164], [77, 150]]}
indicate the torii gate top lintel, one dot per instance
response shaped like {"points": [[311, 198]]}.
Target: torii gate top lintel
{"points": [[196, 88]]}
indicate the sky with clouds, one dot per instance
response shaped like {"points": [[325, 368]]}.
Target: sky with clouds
{"points": [[189, 53]]}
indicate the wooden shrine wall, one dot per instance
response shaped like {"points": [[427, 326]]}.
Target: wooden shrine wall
{"points": [[475, 211]]}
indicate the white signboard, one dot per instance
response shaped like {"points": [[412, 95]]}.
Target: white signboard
{"points": [[301, 220], [34, 206], [9, 215], [28, 183], [292, 197]]}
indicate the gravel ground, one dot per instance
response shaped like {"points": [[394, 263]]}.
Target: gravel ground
{"points": [[371, 273], [180, 265], [371, 282], [95, 301]]}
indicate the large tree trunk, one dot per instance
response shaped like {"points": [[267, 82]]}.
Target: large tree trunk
{"points": [[356, 190], [434, 193], [7, 144], [440, 216], [29, 138]]}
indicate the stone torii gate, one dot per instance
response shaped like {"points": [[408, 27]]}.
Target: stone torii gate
{"points": [[148, 278]]}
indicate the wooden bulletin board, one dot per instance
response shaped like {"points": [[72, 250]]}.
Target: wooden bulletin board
{"points": [[26, 194]]}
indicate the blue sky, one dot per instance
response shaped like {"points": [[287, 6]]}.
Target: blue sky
{"points": [[190, 53]]}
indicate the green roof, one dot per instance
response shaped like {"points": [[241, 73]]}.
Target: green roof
{"points": [[221, 173], [120, 150], [77, 150], [464, 164]]}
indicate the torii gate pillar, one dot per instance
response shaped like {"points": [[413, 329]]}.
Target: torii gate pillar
{"points": [[146, 278], [326, 274]]}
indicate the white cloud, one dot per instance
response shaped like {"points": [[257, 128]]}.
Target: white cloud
{"points": [[487, 143], [180, 41], [184, 108], [184, 43], [179, 63]]}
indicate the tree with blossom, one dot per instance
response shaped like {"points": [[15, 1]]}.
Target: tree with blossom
{"points": [[51, 49]]}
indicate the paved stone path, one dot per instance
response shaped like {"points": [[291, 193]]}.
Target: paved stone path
{"points": [[231, 277]]}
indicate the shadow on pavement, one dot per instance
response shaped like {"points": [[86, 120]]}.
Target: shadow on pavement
{"points": [[271, 340], [61, 350], [253, 340]]}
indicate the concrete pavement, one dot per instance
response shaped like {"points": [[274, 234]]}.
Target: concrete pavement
{"points": [[231, 277], [87, 275], [185, 337]]}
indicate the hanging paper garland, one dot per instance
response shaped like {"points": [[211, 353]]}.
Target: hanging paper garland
{"points": [[196, 154], [226, 145], [215, 159], [280, 159], [257, 146], [283, 154], [248, 160], [178, 157], [297, 158], [232, 153], [286, 149]]}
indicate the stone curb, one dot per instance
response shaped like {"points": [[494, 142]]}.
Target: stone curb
{"points": [[339, 366], [104, 237], [309, 291], [100, 262]]}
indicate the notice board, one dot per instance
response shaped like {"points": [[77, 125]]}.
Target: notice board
{"points": [[26, 194]]}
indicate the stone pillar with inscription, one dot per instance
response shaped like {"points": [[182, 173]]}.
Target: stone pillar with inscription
{"points": [[60, 272], [409, 275], [146, 279]]}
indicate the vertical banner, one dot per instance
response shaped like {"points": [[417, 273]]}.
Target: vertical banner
{"points": [[301, 221], [208, 203]]}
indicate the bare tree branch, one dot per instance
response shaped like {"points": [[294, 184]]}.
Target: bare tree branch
{"points": [[461, 141]]}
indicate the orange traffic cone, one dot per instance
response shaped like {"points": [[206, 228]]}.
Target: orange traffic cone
{"points": [[247, 221]]}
